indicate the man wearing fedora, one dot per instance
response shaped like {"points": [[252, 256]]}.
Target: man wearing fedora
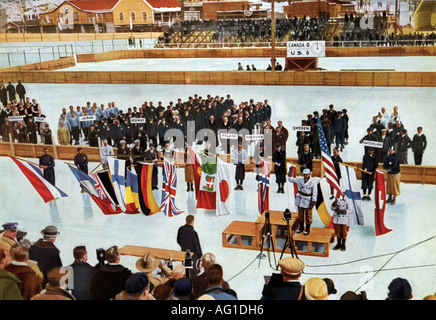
{"points": [[305, 200], [148, 264], [45, 253], [286, 285]]}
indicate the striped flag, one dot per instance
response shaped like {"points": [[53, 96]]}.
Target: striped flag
{"points": [[329, 167], [195, 161], [46, 190], [352, 191], [85, 180], [169, 186], [146, 198], [322, 210], [132, 197], [380, 204], [117, 170], [264, 182]]}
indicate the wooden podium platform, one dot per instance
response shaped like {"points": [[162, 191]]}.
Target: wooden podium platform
{"points": [[248, 235], [163, 254]]}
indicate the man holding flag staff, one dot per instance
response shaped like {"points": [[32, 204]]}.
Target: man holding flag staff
{"points": [[305, 199]]}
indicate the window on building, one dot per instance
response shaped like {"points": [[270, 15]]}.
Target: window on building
{"points": [[89, 17], [104, 16], [61, 15], [76, 16], [133, 16], [121, 16], [144, 16]]}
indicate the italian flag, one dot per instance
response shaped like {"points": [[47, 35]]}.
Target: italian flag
{"points": [[206, 197]]}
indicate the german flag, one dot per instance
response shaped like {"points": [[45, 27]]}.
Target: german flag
{"points": [[146, 198]]}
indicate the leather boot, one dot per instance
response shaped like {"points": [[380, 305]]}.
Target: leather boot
{"points": [[307, 231], [189, 187], [338, 245], [394, 200], [192, 186], [389, 199], [343, 248], [301, 228]]}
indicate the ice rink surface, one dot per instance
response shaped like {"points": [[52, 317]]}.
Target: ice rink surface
{"points": [[81, 222]]}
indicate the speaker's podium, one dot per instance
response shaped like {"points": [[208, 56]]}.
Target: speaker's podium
{"points": [[249, 235]]}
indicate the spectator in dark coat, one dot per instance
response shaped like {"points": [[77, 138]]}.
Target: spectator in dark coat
{"points": [[305, 159], [83, 273], [285, 286], [21, 91], [109, 279], [419, 144], [369, 164], [45, 252], [188, 238]]}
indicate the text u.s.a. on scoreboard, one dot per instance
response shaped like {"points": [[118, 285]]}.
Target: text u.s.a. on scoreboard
{"points": [[305, 49]]}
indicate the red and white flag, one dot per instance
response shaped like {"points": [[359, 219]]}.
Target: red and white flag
{"points": [[225, 183], [380, 204], [46, 190]]}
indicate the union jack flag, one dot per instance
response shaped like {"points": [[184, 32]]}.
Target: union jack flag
{"points": [[98, 186], [329, 167], [263, 191], [168, 206]]}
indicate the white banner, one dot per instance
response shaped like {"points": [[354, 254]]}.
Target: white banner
{"points": [[373, 144], [230, 136], [40, 119], [302, 128], [305, 49], [254, 137], [16, 118], [87, 118], [137, 120]]}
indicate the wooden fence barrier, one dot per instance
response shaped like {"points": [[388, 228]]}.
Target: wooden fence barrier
{"points": [[409, 173]]}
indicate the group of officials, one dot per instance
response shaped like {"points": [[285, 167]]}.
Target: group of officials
{"points": [[150, 122]]}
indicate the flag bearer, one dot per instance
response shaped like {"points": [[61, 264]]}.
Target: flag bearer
{"points": [[341, 220]]}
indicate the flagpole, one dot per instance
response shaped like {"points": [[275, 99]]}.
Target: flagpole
{"points": [[36, 164], [95, 169], [355, 168]]}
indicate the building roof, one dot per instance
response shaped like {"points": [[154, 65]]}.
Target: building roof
{"points": [[163, 3], [94, 5]]}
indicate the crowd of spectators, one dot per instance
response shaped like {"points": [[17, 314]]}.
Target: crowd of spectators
{"points": [[252, 30], [35, 271]]}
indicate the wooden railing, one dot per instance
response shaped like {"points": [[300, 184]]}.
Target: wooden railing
{"points": [[409, 173]]}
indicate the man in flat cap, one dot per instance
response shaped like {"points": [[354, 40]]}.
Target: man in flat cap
{"points": [[8, 238], [286, 285], [137, 288], [45, 252]]}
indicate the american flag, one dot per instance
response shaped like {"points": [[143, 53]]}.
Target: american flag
{"points": [[168, 206], [263, 192], [329, 167]]}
